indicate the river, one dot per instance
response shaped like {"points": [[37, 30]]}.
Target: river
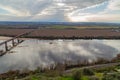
{"points": [[34, 53]]}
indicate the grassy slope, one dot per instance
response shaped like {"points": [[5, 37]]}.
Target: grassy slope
{"points": [[99, 74]]}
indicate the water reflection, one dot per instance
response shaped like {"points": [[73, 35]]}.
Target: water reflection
{"points": [[34, 53]]}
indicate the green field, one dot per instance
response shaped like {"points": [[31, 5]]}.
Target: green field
{"points": [[82, 27]]}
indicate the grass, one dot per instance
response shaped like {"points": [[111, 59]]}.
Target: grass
{"points": [[85, 78], [66, 78], [35, 78], [82, 27], [61, 27], [99, 75]]}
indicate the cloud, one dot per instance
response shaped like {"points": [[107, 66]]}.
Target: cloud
{"points": [[108, 11], [114, 5], [38, 8], [104, 18], [15, 12], [61, 10], [24, 7]]}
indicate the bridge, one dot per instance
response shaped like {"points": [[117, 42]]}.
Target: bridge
{"points": [[13, 42]]}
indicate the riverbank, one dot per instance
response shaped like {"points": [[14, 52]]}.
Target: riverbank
{"points": [[109, 72], [4, 38]]}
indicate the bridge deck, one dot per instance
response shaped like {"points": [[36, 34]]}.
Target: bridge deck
{"points": [[2, 52]]}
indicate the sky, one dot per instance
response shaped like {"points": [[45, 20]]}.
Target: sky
{"points": [[60, 10]]}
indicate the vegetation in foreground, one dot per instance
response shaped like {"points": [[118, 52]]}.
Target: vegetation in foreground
{"points": [[106, 73]]}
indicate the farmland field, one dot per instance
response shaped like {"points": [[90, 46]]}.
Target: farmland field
{"points": [[64, 33]]}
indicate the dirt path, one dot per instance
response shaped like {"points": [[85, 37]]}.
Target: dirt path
{"points": [[94, 66]]}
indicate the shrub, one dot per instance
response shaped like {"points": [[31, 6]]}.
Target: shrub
{"points": [[78, 75], [88, 72], [114, 76], [93, 78]]}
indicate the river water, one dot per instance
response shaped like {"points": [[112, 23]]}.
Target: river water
{"points": [[34, 53]]}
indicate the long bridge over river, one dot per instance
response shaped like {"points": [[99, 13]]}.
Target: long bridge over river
{"points": [[13, 42]]}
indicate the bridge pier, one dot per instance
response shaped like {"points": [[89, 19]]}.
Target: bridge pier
{"points": [[18, 40], [6, 47], [13, 43]]}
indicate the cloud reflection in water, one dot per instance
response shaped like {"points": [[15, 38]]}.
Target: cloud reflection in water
{"points": [[34, 53]]}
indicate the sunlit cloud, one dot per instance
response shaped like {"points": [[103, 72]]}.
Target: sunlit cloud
{"points": [[59, 10], [114, 5], [103, 12]]}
